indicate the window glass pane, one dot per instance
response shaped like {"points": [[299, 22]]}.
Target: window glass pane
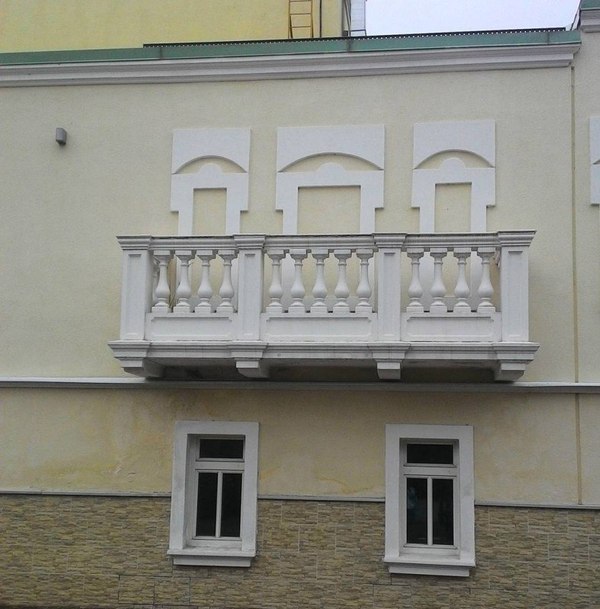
{"points": [[231, 510], [443, 511], [206, 514], [416, 510], [440, 454], [221, 448]]}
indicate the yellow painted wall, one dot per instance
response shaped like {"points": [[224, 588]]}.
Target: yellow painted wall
{"points": [[61, 277], [122, 440], [34, 25]]}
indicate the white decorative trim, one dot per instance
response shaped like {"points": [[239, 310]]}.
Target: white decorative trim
{"points": [[431, 560], [595, 160], [212, 552], [329, 174], [474, 137], [95, 383], [310, 65], [195, 144], [365, 142], [454, 171], [328, 498]]}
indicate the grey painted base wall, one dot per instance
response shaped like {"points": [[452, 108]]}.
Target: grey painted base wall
{"points": [[59, 551]]}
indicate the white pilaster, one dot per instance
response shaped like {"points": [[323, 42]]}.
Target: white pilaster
{"points": [[514, 285], [136, 286]]}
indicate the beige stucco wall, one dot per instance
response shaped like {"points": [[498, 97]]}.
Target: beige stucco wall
{"points": [[587, 217], [311, 442], [42, 25], [62, 207]]}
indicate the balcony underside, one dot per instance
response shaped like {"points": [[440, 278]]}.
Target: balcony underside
{"points": [[505, 361]]}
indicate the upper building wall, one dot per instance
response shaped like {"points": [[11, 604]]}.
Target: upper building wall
{"points": [[114, 177], [37, 25]]}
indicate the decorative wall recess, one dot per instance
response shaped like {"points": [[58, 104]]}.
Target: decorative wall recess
{"points": [[294, 144], [190, 145]]}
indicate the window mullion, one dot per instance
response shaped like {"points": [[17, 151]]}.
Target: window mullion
{"points": [[429, 511], [219, 504]]}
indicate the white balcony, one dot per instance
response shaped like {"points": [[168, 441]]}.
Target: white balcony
{"points": [[205, 306]]}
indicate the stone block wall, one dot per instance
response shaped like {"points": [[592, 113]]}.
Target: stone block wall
{"points": [[110, 552]]}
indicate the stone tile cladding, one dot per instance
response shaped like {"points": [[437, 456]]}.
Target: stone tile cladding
{"points": [[62, 552]]}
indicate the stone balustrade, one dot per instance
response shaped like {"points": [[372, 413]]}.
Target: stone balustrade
{"points": [[385, 300]]}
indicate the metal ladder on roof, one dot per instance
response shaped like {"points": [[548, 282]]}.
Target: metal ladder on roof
{"points": [[301, 23]]}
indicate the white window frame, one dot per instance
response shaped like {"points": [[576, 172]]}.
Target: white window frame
{"points": [[219, 552], [401, 557]]}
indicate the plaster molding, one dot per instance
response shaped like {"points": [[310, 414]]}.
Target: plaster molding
{"points": [[329, 174], [365, 142], [96, 383], [473, 137], [309, 65], [191, 145], [273, 497], [362, 141], [477, 138]]}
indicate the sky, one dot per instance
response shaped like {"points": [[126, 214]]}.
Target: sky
{"points": [[420, 16]]}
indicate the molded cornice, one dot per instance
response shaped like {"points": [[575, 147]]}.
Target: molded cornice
{"points": [[126, 383], [286, 66]]}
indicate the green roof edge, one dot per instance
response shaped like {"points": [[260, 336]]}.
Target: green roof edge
{"points": [[589, 5], [293, 47]]}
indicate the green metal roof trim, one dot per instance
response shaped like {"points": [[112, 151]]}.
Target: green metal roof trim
{"points": [[521, 38], [589, 4]]}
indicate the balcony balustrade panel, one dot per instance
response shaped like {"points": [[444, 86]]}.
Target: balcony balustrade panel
{"points": [[258, 299]]}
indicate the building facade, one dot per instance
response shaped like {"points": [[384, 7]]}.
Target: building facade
{"points": [[302, 323]]}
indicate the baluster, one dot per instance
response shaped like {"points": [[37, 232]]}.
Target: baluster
{"points": [[162, 293], [462, 290], [276, 287], [486, 290], [415, 289], [320, 288], [363, 290], [204, 289], [226, 292], [155, 269], [184, 289], [342, 291], [297, 291], [438, 289]]}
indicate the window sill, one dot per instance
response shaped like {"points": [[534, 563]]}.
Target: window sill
{"points": [[429, 565], [200, 557]]}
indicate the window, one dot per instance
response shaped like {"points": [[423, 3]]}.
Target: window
{"points": [[213, 503], [429, 510]]}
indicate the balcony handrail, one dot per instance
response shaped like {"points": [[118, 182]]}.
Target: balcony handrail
{"points": [[425, 240]]}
